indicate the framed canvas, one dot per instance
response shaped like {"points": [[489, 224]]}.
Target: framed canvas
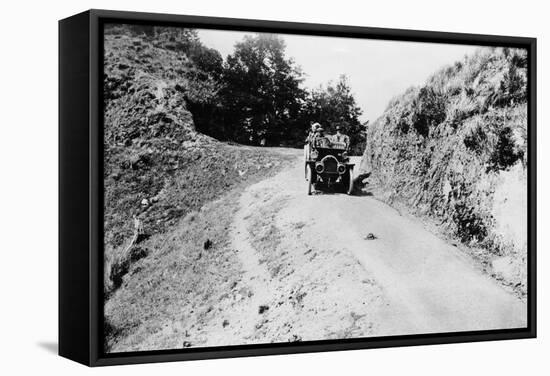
{"points": [[234, 187]]}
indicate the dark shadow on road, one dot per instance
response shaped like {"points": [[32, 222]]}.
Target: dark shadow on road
{"points": [[50, 347], [361, 193], [360, 185], [328, 191], [356, 192]]}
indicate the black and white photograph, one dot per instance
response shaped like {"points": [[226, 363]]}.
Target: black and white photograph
{"points": [[275, 188], [268, 188]]}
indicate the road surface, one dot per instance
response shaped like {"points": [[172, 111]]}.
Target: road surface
{"points": [[313, 273]]}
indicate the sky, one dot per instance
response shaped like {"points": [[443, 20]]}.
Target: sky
{"points": [[377, 70]]}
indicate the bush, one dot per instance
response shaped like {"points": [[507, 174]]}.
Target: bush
{"points": [[429, 111], [513, 87], [470, 225], [476, 140], [505, 153]]}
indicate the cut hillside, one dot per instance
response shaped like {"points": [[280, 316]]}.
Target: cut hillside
{"points": [[157, 167], [454, 152]]}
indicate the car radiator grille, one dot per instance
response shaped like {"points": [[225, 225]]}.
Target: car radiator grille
{"points": [[330, 165]]}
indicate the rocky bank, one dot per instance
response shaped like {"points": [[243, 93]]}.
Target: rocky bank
{"points": [[454, 151]]}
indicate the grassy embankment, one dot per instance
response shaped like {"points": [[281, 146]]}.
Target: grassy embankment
{"points": [[181, 186], [454, 152]]}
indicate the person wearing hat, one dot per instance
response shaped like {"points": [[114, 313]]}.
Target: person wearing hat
{"points": [[320, 139], [340, 137], [312, 132], [310, 139]]}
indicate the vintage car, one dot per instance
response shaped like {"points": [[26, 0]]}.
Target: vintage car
{"points": [[327, 165]]}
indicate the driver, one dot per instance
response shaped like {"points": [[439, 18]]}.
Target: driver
{"points": [[340, 137]]}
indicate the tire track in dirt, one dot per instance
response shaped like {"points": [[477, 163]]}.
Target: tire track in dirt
{"points": [[298, 286]]}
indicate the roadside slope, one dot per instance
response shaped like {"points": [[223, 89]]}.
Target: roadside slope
{"points": [[157, 167], [191, 270], [453, 151]]}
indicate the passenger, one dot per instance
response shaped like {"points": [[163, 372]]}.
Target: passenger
{"points": [[309, 140], [311, 134], [321, 141]]}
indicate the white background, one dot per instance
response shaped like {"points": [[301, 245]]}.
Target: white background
{"points": [[28, 186]]}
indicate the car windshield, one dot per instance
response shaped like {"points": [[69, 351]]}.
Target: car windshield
{"points": [[338, 145], [322, 152], [325, 143]]}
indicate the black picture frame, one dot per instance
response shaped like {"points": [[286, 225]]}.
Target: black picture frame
{"points": [[81, 189]]}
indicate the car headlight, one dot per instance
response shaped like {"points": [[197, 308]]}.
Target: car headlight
{"points": [[319, 167]]}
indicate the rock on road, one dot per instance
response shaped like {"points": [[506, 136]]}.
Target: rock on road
{"points": [[307, 262]]}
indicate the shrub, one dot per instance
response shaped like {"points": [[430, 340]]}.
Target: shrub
{"points": [[513, 87], [505, 153], [476, 140], [470, 225], [429, 111]]}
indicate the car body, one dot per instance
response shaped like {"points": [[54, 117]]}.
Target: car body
{"points": [[327, 165]]}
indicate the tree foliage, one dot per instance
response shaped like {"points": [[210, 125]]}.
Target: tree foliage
{"points": [[335, 105], [256, 96], [262, 96]]}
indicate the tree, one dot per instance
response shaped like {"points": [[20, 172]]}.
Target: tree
{"points": [[335, 105], [262, 96]]}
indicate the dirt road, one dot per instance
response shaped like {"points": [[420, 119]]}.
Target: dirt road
{"points": [[311, 273]]}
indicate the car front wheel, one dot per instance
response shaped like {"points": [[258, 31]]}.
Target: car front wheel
{"points": [[349, 181], [309, 177]]}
